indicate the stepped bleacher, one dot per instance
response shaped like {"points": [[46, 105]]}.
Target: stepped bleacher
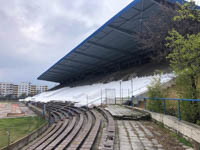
{"points": [[75, 128]]}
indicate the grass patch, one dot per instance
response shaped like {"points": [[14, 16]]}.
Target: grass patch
{"points": [[18, 127], [182, 140], [176, 136]]}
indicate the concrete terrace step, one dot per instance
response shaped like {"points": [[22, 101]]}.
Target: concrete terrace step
{"points": [[81, 137], [62, 135], [40, 137], [122, 113], [53, 137], [58, 125], [72, 135], [88, 143], [110, 130], [97, 129]]}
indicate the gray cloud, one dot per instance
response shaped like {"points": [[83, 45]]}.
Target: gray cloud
{"points": [[36, 34]]}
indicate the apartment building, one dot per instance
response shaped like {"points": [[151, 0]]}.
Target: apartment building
{"points": [[23, 89], [15, 90], [41, 89], [8, 89], [33, 90]]}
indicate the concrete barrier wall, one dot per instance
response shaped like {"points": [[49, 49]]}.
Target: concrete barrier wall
{"points": [[18, 145], [186, 129]]}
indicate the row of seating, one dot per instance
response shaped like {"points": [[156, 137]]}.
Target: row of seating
{"points": [[111, 130], [73, 128]]}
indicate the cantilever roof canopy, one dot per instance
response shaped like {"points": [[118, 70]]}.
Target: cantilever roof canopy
{"points": [[111, 44]]}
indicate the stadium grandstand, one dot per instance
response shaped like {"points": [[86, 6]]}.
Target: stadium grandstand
{"points": [[110, 66], [112, 54]]}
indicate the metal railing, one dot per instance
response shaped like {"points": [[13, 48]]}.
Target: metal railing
{"points": [[170, 99]]}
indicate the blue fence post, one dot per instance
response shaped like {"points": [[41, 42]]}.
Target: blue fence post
{"points": [[132, 100], [106, 96], [101, 98], [164, 107], [87, 102], [49, 118], [179, 110], [115, 98], [44, 110]]}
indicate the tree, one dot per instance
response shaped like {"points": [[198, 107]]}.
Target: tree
{"points": [[154, 30], [184, 43], [23, 95], [152, 35], [185, 57], [188, 18]]}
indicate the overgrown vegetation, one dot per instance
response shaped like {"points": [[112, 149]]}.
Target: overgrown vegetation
{"points": [[18, 128], [183, 47], [181, 139], [155, 91], [184, 44]]}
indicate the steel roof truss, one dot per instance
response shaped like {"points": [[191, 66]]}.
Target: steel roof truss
{"points": [[64, 69], [92, 56], [80, 62], [123, 31], [110, 48]]}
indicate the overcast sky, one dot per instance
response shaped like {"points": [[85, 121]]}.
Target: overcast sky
{"points": [[35, 34]]}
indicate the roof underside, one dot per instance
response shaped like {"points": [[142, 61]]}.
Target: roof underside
{"points": [[108, 47]]}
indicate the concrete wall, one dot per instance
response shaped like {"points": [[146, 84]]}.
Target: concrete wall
{"points": [[18, 145], [186, 129]]}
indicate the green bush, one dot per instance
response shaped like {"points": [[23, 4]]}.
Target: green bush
{"points": [[198, 122], [155, 91], [189, 110]]}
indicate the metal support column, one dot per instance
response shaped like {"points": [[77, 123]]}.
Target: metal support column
{"points": [[145, 104], [179, 109], [101, 98], [120, 92], [132, 87], [141, 16], [106, 96], [44, 110], [87, 101], [164, 106], [115, 97]]}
